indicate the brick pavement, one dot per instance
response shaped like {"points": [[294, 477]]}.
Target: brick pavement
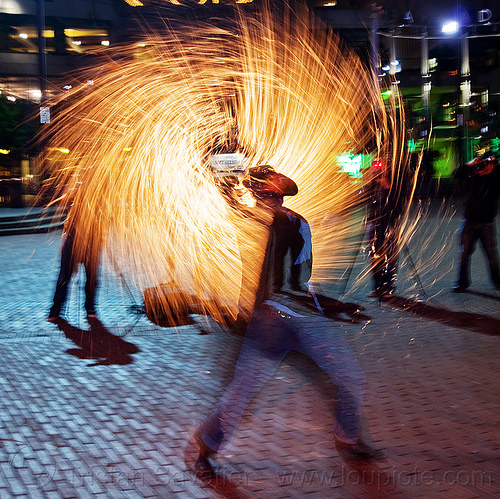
{"points": [[108, 411]]}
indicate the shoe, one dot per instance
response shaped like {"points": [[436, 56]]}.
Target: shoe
{"points": [[459, 289], [373, 294], [359, 450], [54, 313], [203, 468], [92, 314]]}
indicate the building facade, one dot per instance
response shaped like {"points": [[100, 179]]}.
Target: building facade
{"points": [[450, 81], [43, 45]]}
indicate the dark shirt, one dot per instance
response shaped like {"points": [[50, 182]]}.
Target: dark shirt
{"points": [[482, 192], [286, 225], [387, 204]]}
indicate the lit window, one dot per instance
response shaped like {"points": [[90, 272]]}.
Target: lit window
{"points": [[83, 40], [25, 39]]}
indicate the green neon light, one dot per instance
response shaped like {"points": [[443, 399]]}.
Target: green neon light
{"points": [[495, 145], [353, 164]]}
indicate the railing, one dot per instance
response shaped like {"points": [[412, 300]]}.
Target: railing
{"points": [[14, 221]]}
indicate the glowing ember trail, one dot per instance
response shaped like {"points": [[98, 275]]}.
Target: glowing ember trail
{"points": [[140, 139]]}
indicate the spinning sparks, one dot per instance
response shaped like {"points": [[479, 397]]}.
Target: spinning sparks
{"points": [[140, 139]]}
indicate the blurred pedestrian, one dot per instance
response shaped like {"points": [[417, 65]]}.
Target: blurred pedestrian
{"points": [[75, 250], [481, 178], [384, 211], [278, 325]]}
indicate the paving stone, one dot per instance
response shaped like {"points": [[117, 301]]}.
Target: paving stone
{"points": [[72, 428]]}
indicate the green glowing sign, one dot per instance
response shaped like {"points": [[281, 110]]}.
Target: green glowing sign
{"points": [[353, 164], [495, 145]]}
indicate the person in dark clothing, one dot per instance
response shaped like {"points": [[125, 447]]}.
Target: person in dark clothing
{"points": [[482, 180], [384, 210], [295, 234], [278, 325], [292, 230], [71, 257]]}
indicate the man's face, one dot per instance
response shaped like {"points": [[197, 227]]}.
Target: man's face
{"points": [[271, 201]]}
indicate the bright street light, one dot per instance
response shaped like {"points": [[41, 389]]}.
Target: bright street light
{"points": [[450, 27]]}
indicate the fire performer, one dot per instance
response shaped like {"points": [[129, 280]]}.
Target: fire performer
{"points": [[277, 326], [292, 230]]}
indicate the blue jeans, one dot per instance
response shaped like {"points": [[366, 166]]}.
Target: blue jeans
{"points": [[268, 339], [470, 234]]}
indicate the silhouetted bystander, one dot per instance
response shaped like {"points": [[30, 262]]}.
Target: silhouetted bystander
{"points": [[481, 178]]}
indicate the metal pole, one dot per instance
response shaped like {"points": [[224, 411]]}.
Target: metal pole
{"points": [[42, 52], [374, 41], [465, 90], [426, 77], [392, 63]]}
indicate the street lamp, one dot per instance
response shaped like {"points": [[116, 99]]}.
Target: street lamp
{"points": [[450, 27]]}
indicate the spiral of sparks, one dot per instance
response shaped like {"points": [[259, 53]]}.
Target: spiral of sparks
{"points": [[137, 174]]}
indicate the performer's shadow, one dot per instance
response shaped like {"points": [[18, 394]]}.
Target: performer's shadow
{"points": [[483, 295], [476, 323], [98, 344]]}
